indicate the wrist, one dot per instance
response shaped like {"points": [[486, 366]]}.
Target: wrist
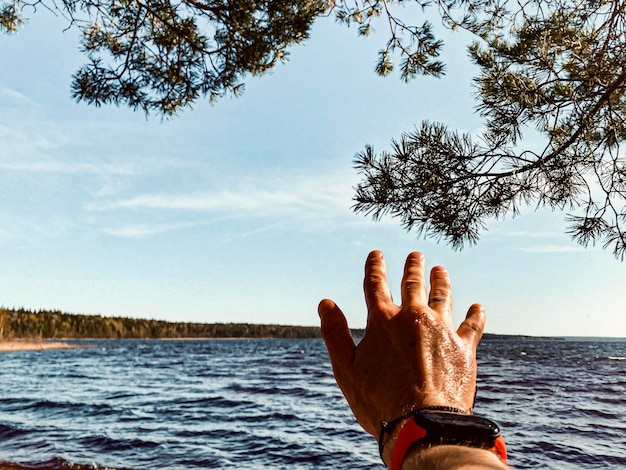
{"points": [[390, 430], [388, 437], [435, 427], [452, 457]]}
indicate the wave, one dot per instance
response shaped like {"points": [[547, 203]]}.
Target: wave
{"points": [[274, 404]]}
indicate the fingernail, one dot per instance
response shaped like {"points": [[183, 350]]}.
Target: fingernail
{"points": [[324, 307]]}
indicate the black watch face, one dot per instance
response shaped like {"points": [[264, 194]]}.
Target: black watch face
{"points": [[458, 428]]}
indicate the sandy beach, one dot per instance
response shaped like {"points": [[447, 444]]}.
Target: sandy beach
{"points": [[6, 346]]}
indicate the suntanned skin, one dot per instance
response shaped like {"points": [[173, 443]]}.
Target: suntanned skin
{"points": [[453, 458], [411, 356]]}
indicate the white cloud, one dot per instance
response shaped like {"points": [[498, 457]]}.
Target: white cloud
{"points": [[302, 195], [52, 166], [21, 143], [5, 235], [526, 234], [288, 203], [554, 248], [143, 230], [224, 201], [12, 97]]}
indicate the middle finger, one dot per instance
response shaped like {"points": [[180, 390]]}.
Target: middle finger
{"points": [[414, 288]]}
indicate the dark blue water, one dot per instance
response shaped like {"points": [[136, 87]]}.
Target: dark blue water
{"points": [[274, 404]]}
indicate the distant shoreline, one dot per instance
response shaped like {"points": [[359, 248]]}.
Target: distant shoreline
{"points": [[46, 328], [9, 346], [14, 345]]}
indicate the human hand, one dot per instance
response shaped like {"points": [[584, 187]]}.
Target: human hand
{"points": [[410, 357]]}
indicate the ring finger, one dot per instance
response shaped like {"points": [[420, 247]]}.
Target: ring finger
{"points": [[440, 296]]}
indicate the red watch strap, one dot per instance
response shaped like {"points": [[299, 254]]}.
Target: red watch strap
{"points": [[499, 448], [411, 432]]}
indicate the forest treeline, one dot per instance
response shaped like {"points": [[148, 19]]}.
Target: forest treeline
{"points": [[54, 324]]}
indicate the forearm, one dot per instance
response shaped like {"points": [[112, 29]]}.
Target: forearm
{"points": [[411, 380], [452, 457]]}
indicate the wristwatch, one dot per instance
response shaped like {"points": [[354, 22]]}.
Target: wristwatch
{"points": [[434, 427]]}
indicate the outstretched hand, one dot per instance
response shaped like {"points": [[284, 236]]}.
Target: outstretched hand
{"points": [[411, 356]]}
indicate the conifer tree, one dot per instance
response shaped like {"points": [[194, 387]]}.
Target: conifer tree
{"points": [[159, 56], [555, 67]]}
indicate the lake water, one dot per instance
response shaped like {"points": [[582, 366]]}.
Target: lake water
{"points": [[254, 404]]}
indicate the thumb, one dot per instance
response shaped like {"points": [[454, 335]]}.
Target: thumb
{"points": [[337, 337], [472, 327]]}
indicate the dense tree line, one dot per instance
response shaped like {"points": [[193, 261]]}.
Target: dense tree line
{"points": [[53, 324]]}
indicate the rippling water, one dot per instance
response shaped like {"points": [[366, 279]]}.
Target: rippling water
{"points": [[274, 404]]}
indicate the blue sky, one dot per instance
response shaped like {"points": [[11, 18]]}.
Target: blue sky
{"points": [[241, 211]]}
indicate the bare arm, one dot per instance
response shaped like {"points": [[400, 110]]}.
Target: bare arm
{"points": [[453, 458], [410, 358]]}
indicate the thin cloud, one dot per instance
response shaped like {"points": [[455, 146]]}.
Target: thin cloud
{"points": [[554, 249], [524, 234], [145, 230], [300, 196], [53, 166], [211, 202], [140, 231], [11, 97], [5, 235], [301, 203], [22, 144]]}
